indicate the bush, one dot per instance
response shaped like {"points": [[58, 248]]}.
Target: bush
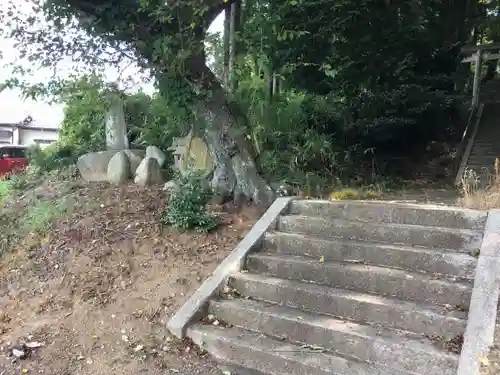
{"points": [[187, 208], [55, 156], [18, 181]]}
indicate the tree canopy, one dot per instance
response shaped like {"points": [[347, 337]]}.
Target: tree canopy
{"points": [[319, 82]]}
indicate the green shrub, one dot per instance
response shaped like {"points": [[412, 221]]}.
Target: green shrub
{"points": [[18, 181], [187, 208], [55, 156]]}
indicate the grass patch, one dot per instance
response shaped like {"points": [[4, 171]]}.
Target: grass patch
{"points": [[43, 214], [23, 213], [6, 191]]}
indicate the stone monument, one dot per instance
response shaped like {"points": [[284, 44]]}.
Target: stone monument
{"points": [[96, 166], [116, 127]]}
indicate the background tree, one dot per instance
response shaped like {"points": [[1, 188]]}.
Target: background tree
{"points": [[359, 79]]}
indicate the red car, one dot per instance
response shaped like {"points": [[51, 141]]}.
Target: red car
{"points": [[12, 160]]}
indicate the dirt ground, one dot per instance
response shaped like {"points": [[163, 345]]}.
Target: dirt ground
{"points": [[98, 288]]}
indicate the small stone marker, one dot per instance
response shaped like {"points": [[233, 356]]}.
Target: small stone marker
{"points": [[119, 168], [116, 128], [148, 173], [155, 152]]}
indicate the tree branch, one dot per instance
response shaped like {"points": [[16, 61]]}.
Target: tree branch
{"points": [[215, 7]]}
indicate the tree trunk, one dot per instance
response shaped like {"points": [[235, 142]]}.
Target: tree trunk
{"points": [[236, 173], [235, 28], [226, 46]]}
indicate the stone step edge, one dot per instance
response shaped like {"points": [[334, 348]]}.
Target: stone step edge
{"points": [[258, 349], [375, 280], [271, 236], [344, 293], [424, 277], [460, 264], [413, 206], [381, 346], [339, 241], [385, 225], [385, 336]]}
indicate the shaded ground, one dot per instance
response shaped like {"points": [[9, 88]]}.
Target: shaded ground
{"points": [[97, 288]]}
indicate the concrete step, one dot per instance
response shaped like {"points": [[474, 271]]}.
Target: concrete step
{"points": [[409, 258], [486, 155], [353, 306], [481, 163], [395, 213], [358, 277], [461, 240], [487, 152], [486, 148], [393, 349], [483, 154], [481, 159], [256, 351], [488, 161], [481, 142]]}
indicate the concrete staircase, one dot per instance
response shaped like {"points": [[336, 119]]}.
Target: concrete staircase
{"points": [[349, 288], [486, 144]]}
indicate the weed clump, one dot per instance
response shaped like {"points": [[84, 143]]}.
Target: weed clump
{"points": [[354, 194], [187, 208]]}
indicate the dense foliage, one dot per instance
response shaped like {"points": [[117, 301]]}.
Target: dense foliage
{"points": [[325, 89]]}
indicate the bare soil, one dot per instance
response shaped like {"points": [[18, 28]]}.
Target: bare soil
{"points": [[98, 288]]}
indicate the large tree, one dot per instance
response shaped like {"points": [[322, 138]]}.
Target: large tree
{"points": [[167, 39]]}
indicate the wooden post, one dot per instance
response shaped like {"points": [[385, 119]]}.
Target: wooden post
{"points": [[477, 78]]}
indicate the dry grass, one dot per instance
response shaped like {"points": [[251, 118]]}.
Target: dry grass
{"points": [[481, 192]]}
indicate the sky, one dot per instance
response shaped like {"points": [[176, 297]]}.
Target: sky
{"points": [[14, 109]]}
